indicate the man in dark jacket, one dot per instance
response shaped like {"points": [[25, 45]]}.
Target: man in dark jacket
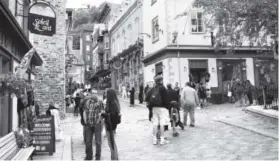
{"points": [[158, 102]]}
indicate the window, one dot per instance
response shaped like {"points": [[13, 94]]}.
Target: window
{"points": [[155, 31], [87, 48], [118, 44], [87, 37], [129, 33], [113, 45], [88, 57], [223, 24], [76, 42], [153, 1], [124, 39], [87, 67], [197, 22], [107, 45]]}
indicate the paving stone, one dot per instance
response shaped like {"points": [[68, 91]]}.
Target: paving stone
{"points": [[208, 140]]}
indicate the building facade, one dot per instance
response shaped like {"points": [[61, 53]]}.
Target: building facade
{"points": [[50, 81], [126, 37], [14, 44], [180, 47], [86, 51], [102, 51]]}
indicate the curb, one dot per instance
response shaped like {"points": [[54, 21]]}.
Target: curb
{"points": [[260, 112], [67, 149], [274, 136]]}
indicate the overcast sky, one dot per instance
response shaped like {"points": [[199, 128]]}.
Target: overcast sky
{"points": [[84, 3]]}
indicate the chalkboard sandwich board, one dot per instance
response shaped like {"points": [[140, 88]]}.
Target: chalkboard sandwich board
{"points": [[44, 134]]}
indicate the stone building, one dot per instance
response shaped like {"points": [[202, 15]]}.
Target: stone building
{"points": [[101, 78], [50, 79], [127, 45], [14, 44], [86, 51], [181, 46]]}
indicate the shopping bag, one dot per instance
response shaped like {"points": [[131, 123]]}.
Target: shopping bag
{"points": [[229, 94]]}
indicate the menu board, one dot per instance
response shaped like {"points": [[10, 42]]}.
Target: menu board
{"points": [[44, 134]]}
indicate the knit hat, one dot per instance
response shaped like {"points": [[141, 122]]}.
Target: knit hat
{"points": [[158, 78]]}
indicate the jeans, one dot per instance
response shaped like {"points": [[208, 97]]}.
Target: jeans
{"points": [[112, 145], [191, 111], [89, 132]]}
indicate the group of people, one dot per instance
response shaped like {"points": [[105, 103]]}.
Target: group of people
{"points": [[161, 101], [241, 91], [129, 92], [97, 114]]}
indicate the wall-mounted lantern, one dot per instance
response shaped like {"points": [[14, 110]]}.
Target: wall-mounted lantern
{"points": [[213, 70]]}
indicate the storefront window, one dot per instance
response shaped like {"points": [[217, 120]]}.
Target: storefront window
{"points": [[5, 101], [267, 72]]}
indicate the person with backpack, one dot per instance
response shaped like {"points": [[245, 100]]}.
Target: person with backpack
{"points": [[92, 110], [112, 116], [190, 101], [157, 103]]}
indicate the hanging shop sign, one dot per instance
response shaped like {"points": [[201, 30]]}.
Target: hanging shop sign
{"points": [[42, 23]]}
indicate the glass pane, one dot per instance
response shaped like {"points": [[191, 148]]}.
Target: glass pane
{"points": [[194, 28], [199, 22], [199, 15], [194, 21], [200, 29]]}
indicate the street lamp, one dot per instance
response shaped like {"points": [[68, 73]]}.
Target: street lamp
{"points": [[175, 34]]}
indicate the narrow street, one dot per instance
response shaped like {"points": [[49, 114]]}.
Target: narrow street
{"points": [[209, 140]]}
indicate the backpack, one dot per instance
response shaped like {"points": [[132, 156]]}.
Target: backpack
{"points": [[155, 97]]}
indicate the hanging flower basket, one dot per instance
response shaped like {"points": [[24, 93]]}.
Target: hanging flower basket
{"points": [[10, 83]]}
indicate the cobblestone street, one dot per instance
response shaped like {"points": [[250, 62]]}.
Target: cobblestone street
{"points": [[208, 140]]}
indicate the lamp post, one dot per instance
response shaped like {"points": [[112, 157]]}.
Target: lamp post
{"points": [[175, 34]]}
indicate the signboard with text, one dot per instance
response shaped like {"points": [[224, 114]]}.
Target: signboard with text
{"points": [[42, 25], [44, 134], [42, 19]]}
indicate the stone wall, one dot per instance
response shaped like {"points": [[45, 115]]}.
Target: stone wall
{"points": [[50, 78]]}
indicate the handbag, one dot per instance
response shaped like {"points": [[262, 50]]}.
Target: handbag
{"points": [[118, 118]]}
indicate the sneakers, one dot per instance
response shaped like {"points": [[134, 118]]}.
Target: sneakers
{"points": [[155, 140], [163, 141]]}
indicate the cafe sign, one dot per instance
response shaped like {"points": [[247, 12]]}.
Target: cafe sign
{"points": [[42, 23]]}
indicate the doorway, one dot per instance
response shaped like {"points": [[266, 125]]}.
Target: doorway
{"points": [[197, 74], [197, 70]]}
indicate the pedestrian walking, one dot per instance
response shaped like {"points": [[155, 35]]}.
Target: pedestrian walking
{"points": [[132, 96], [124, 92], [173, 100], [112, 116], [157, 101], [146, 89], [190, 101], [248, 90], [81, 109], [141, 93], [239, 90], [77, 102], [202, 95], [92, 111]]}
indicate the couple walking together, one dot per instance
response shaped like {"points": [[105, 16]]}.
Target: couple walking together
{"points": [[159, 104], [94, 115]]}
